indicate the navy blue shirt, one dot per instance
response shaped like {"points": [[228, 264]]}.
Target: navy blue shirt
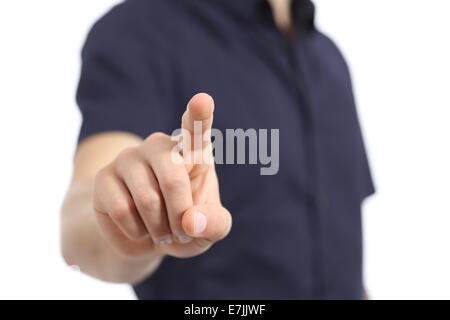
{"points": [[296, 234]]}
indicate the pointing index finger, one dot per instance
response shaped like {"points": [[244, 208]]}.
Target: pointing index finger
{"points": [[199, 111]]}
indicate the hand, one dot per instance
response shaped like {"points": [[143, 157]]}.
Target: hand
{"points": [[147, 203]]}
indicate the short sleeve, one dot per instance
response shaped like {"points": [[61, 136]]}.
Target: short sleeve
{"points": [[354, 165], [367, 187], [125, 80]]}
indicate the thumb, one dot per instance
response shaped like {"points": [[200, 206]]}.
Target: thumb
{"points": [[211, 222]]}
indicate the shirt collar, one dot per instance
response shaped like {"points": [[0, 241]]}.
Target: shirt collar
{"points": [[257, 10]]}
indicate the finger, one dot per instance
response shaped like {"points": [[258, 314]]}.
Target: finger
{"points": [[114, 200], [211, 222], [147, 197], [173, 180], [198, 119], [123, 244]]}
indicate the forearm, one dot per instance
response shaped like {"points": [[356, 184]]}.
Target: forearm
{"points": [[83, 245]]}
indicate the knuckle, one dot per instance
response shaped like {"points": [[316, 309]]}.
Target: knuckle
{"points": [[125, 156], [147, 199], [100, 180], [173, 184], [120, 211], [102, 174], [155, 138]]}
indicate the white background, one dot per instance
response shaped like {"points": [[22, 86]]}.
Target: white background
{"points": [[398, 51]]}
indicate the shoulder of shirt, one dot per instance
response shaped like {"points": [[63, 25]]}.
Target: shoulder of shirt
{"points": [[326, 45], [131, 17]]}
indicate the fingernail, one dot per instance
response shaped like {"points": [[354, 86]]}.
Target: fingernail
{"points": [[164, 240], [200, 222], [184, 238]]}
